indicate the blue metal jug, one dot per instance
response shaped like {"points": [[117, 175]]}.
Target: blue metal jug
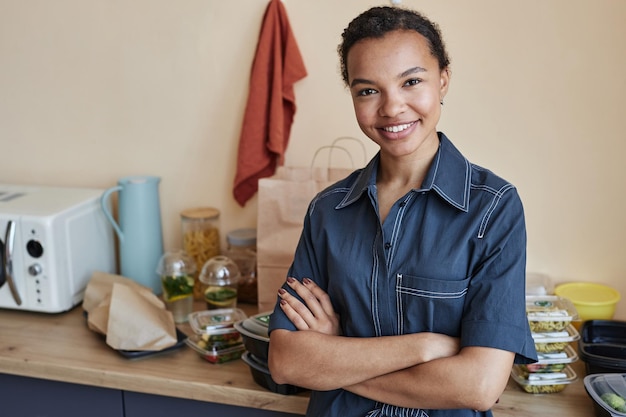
{"points": [[139, 229]]}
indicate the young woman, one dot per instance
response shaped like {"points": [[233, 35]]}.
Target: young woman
{"points": [[406, 293]]}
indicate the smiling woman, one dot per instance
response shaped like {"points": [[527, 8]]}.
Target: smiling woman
{"points": [[410, 273]]}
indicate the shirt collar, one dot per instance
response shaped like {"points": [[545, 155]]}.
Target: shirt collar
{"points": [[449, 176]]}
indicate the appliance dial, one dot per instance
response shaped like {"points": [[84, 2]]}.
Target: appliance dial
{"points": [[34, 248], [34, 269]]}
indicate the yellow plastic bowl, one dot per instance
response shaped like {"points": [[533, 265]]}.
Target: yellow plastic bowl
{"points": [[592, 301]]}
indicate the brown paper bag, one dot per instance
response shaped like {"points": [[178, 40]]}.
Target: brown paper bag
{"points": [[129, 314], [282, 203], [136, 322]]}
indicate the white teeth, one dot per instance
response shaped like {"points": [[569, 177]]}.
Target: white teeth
{"points": [[398, 128]]}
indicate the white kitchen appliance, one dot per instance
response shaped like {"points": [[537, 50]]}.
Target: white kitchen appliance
{"points": [[52, 239]]}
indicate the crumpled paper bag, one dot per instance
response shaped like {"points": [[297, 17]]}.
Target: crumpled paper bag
{"points": [[129, 314]]}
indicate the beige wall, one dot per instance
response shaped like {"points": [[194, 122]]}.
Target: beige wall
{"points": [[91, 91]]}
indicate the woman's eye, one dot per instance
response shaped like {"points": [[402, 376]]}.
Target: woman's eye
{"points": [[412, 81], [366, 92]]}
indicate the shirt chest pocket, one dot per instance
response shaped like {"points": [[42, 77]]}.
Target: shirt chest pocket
{"points": [[433, 305]]}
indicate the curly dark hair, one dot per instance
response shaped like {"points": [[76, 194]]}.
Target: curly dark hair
{"points": [[378, 21]]}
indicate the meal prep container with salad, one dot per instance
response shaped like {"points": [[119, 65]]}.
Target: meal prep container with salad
{"points": [[216, 339], [608, 392]]}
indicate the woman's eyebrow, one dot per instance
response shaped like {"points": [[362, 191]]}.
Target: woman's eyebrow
{"points": [[360, 81], [412, 71], [406, 73]]}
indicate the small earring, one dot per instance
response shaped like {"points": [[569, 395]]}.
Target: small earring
{"points": [[441, 102]]}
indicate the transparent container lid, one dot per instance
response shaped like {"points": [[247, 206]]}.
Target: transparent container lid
{"points": [[176, 264], [220, 270]]}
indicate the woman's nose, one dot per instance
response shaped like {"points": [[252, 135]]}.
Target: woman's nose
{"points": [[392, 104]]}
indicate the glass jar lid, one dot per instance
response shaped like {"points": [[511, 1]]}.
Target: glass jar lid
{"points": [[242, 237], [200, 213]]}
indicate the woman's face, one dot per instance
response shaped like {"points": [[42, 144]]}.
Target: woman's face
{"points": [[397, 89]]}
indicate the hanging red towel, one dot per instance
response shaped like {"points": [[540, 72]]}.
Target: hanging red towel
{"points": [[271, 104]]}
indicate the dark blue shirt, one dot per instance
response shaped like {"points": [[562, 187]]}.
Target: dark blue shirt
{"points": [[449, 258]]}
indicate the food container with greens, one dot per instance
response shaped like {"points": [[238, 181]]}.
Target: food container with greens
{"points": [[220, 277], [207, 320], [608, 392], [549, 313], [215, 352], [543, 382]]}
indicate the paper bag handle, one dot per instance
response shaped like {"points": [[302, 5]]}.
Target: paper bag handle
{"points": [[334, 146]]}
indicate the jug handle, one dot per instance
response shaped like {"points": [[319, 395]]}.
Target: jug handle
{"points": [[107, 213]]}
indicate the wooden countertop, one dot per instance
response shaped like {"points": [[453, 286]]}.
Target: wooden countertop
{"points": [[60, 347]]}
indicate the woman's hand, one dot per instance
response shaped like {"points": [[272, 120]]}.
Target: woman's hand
{"points": [[317, 314]]}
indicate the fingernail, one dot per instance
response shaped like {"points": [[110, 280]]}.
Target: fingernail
{"points": [[306, 281], [281, 291], [291, 280], [283, 302]]}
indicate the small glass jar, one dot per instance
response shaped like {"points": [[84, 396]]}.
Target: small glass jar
{"points": [[242, 250], [201, 238], [177, 270], [220, 278]]}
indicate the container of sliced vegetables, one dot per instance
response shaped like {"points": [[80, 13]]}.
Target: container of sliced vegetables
{"points": [[543, 382], [216, 339]]}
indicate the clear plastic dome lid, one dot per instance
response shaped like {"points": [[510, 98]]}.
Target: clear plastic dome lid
{"points": [[220, 270], [176, 264]]}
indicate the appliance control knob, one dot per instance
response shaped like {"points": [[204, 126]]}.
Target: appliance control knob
{"points": [[34, 269]]}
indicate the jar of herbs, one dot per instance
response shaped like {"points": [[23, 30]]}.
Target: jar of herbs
{"points": [[177, 270], [220, 279]]}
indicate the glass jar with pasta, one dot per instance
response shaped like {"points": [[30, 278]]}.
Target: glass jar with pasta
{"points": [[201, 238]]}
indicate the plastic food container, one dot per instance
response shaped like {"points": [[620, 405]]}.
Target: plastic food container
{"points": [[549, 313], [261, 375], [543, 383], [208, 320], [220, 277], [603, 389], [547, 342], [215, 352], [593, 301], [538, 284], [255, 335], [552, 362], [602, 346]]}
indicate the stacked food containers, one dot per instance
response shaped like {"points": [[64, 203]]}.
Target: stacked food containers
{"points": [[254, 331], [216, 338], [551, 323]]}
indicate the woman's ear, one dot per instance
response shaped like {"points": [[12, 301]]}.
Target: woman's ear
{"points": [[444, 82]]}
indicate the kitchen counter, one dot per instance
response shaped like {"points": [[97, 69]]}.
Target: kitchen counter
{"points": [[61, 348]]}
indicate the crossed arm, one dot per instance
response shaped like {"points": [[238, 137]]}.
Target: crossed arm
{"points": [[422, 370]]}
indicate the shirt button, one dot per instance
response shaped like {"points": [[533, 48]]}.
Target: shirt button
{"points": [[387, 245], [403, 204]]}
